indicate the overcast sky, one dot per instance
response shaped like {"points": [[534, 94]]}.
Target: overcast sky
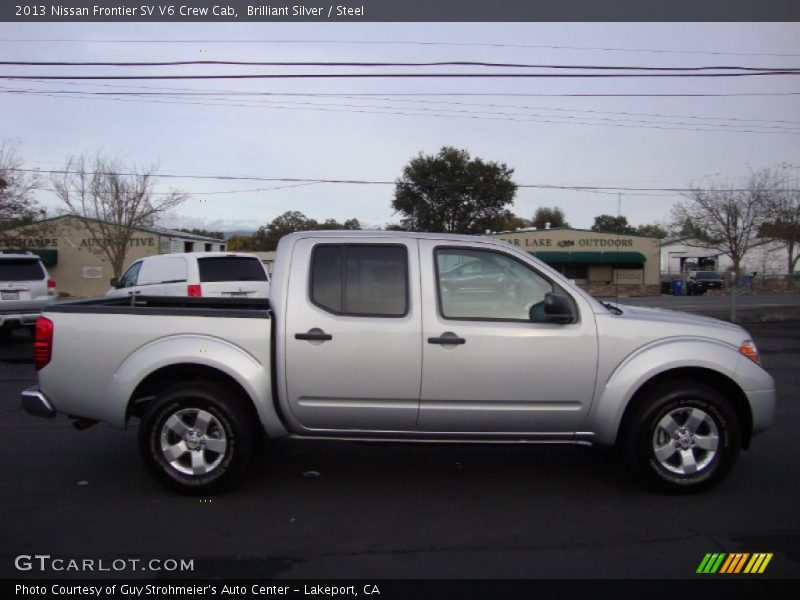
{"points": [[561, 141]]}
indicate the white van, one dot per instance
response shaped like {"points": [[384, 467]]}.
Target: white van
{"points": [[209, 274]]}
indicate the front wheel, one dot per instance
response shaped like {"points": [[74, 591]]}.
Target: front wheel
{"points": [[195, 438], [684, 438]]}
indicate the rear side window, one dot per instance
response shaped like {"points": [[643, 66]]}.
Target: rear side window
{"points": [[20, 269], [360, 280], [231, 268]]}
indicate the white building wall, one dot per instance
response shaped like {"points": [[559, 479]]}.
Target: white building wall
{"points": [[767, 259]]}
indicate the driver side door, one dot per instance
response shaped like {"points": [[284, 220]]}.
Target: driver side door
{"points": [[487, 366]]}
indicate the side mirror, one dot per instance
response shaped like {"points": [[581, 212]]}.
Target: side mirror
{"points": [[114, 282], [558, 308]]}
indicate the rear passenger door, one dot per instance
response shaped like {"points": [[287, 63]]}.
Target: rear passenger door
{"points": [[353, 335]]}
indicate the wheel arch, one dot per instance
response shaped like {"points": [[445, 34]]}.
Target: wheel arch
{"points": [[729, 389], [161, 379]]}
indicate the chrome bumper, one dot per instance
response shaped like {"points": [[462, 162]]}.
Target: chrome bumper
{"points": [[36, 403]]}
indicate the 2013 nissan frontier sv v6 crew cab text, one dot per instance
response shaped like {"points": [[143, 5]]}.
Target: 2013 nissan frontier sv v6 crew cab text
{"points": [[404, 337]]}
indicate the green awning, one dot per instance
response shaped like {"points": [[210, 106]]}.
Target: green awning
{"points": [[594, 258], [49, 257]]}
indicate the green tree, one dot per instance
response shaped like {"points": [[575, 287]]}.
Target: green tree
{"points": [[553, 215], [239, 243], [612, 224], [451, 192], [653, 230], [266, 238]]}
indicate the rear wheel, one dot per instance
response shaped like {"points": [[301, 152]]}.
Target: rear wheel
{"points": [[684, 438], [195, 438]]}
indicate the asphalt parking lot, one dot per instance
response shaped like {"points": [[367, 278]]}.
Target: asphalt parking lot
{"points": [[342, 510]]}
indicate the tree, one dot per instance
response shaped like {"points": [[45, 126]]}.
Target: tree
{"points": [[545, 214], [783, 217], [239, 243], [205, 233], [450, 192], [267, 236], [612, 224], [727, 217], [113, 200], [17, 188], [653, 230]]}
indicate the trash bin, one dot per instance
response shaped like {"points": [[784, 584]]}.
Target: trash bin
{"points": [[677, 287]]}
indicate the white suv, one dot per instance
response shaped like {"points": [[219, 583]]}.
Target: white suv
{"points": [[210, 274], [25, 288]]}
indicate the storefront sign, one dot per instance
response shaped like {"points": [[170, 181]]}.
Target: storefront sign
{"points": [[580, 242], [629, 276]]}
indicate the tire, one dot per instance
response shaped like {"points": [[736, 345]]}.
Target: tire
{"points": [[195, 438], [684, 438]]}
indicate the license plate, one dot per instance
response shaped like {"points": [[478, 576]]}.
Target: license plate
{"points": [[238, 294], [9, 295]]}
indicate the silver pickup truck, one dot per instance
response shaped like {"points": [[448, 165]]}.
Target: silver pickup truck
{"points": [[404, 337]]}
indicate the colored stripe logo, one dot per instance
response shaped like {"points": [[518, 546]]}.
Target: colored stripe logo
{"points": [[735, 563]]}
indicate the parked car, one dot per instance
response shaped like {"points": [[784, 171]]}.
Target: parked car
{"points": [[699, 282], [209, 274], [25, 288], [362, 338]]}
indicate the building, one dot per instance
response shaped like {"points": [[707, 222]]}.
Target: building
{"points": [[68, 250], [605, 264], [683, 255]]}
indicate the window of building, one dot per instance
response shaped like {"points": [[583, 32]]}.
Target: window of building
{"points": [[207, 247], [188, 246], [482, 284], [360, 280]]}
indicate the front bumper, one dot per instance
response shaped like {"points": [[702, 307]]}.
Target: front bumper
{"points": [[36, 403]]}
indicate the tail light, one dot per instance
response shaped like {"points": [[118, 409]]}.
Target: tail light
{"points": [[42, 343], [194, 290], [51, 286]]}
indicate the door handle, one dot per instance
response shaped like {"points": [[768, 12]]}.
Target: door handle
{"points": [[447, 338], [314, 335]]}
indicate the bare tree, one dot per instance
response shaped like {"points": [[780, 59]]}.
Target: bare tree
{"points": [[113, 200], [783, 220], [727, 217], [17, 187]]}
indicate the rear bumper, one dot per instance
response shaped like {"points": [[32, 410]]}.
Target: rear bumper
{"points": [[18, 319], [36, 403]]}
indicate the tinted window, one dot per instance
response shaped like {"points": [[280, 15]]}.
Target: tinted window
{"points": [[707, 275], [20, 269], [478, 284], [360, 279], [130, 276], [231, 268]]}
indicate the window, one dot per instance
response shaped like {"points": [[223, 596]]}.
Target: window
{"points": [[364, 280], [188, 246], [21, 269], [481, 284], [231, 268], [130, 276], [207, 246]]}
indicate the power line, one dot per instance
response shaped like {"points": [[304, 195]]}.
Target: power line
{"points": [[711, 127], [214, 96], [446, 94], [369, 182], [404, 76], [450, 63], [399, 42]]}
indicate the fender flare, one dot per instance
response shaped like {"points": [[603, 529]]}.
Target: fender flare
{"points": [[193, 349], [615, 394]]}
